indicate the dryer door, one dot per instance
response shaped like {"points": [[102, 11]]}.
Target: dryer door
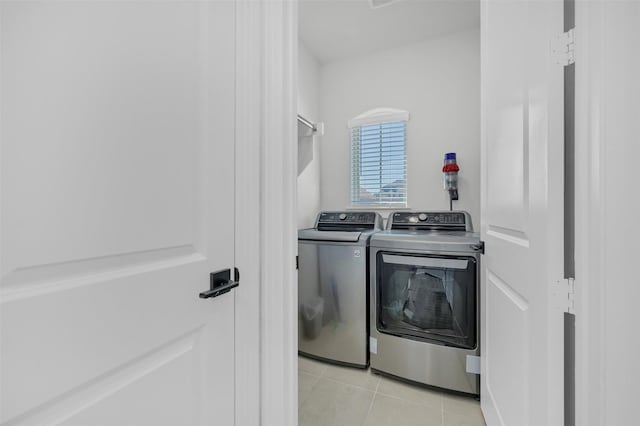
{"points": [[428, 297]]}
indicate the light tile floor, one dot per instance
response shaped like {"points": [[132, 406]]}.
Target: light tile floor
{"points": [[339, 396]]}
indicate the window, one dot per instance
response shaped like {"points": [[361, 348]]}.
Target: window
{"points": [[378, 159]]}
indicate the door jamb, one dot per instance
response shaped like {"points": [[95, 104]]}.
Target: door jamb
{"points": [[247, 212], [266, 158], [590, 294], [279, 236]]}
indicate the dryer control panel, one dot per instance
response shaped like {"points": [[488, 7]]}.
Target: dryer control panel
{"points": [[431, 221]]}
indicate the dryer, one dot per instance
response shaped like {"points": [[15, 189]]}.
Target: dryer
{"points": [[424, 298]]}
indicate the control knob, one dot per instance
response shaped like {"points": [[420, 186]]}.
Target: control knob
{"points": [[422, 217], [342, 216]]}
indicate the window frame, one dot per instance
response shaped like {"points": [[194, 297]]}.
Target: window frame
{"points": [[376, 117]]}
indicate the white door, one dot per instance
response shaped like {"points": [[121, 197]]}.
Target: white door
{"points": [[117, 201], [522, 211]]}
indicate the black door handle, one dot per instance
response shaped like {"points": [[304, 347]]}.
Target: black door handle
{"points": [[220, 283]]}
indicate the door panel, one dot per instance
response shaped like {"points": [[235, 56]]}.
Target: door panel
{"points": [[506, 354], [124, 101], [522, 149], [112, 116], [507, 123]]}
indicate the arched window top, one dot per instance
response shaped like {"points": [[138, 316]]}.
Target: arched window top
{"points": [[379, 116]]}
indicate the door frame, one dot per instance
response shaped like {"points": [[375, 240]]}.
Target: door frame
{"points": [[589, 235], [266, 241], [268, 325], [601, 51], [592, 36]]}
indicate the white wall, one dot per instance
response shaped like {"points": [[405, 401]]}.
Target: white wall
{"points": [[438, 82], [308, 151]]}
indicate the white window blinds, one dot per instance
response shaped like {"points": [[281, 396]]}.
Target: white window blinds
{"points": [[379, 164]]}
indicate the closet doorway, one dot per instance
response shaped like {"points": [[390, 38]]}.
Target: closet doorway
{"points": [[355, 56]]}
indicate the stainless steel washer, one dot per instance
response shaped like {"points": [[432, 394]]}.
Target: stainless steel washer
{"points": [[333, 287], [425, 300]]}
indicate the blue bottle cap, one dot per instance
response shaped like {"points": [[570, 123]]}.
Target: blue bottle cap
{"points": [[450, 156]]}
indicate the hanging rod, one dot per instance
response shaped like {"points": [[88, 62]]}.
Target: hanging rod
{"points": [[307, 123]]}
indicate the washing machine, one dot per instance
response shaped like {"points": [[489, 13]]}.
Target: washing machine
{"points": [[333, 282], [424, 299]]}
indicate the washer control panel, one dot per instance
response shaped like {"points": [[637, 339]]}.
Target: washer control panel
{"points": [[348, 221], [347, 217]]}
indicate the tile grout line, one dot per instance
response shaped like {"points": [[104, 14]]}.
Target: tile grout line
{"points": [[410, 401], [320, 374], [334, 380], [376, 391], [372, 399], [314, 375], [316, 380], [331, 379], [309, 373], [317, 376]]}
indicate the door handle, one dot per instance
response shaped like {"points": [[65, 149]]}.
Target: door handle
{"points": [[220, 283]]}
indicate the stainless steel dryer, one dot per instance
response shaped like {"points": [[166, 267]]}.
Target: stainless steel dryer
{"points": [[333, 287], [425, 300]]}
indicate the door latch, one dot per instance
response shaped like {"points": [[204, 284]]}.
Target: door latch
{"points": [[220, 283], [478, 247]]}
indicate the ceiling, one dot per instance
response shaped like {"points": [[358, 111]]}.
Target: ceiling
{"points": [[337, 29]]}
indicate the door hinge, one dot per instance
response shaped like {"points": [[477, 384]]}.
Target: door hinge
{"points": [[564, 295], [563, 48], [297, 263], [570, 283]]}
